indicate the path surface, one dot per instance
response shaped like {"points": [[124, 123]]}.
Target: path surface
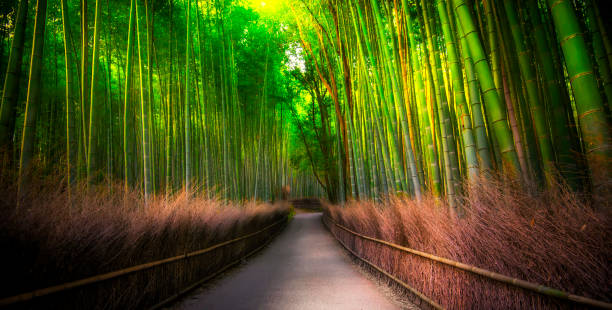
{"points": [[304, 268]]}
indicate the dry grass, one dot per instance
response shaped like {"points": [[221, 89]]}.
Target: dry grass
{"points": [[551, 238], [49, 240]]}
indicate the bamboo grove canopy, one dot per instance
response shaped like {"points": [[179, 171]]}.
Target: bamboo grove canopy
{"points": [[342, 98]]}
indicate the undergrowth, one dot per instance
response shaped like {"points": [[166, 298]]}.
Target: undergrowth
{"points": [[552, 237], [48, 237]]}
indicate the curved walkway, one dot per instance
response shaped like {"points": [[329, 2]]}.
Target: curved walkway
{"points": [[304, 268]]}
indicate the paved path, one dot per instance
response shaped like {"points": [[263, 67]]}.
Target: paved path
{"points": [[304, 268]]}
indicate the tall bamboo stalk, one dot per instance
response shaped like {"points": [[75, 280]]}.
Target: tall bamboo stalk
{"points": [[10, 91], [594, 124], [33, 97], [496, 113]]}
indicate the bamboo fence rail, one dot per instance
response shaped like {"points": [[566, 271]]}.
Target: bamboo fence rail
{"points": [[420, 295], [530, 286], [117, 273]]}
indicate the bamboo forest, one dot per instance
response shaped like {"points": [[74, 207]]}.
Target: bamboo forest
{"points": [[458, 151]]}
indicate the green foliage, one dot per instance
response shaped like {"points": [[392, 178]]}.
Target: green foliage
{"points": [[351, 99]]}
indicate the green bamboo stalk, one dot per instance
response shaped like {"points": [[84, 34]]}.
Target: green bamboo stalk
{"points": [[597, 42], [594, 124], [538, 116], [128, 79], [495, 110], [33, 96], [94, 61], [187, 114], [10, 91], [70, 149], [557, 99], [143, 117], [150, 100], [169, 119], [83, 84], [471, 156]]}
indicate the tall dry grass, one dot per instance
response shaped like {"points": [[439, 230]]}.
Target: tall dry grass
{"points": [[550, 237], [48, 239]]}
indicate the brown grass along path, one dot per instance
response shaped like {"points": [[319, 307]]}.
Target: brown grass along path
{"points": [[102, 249], [548, 239]]}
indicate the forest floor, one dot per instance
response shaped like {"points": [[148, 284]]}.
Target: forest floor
{"points": [[304, 268]]}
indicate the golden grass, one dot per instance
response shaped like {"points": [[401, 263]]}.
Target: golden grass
{"points": [[48, 239], [550, 237]]}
